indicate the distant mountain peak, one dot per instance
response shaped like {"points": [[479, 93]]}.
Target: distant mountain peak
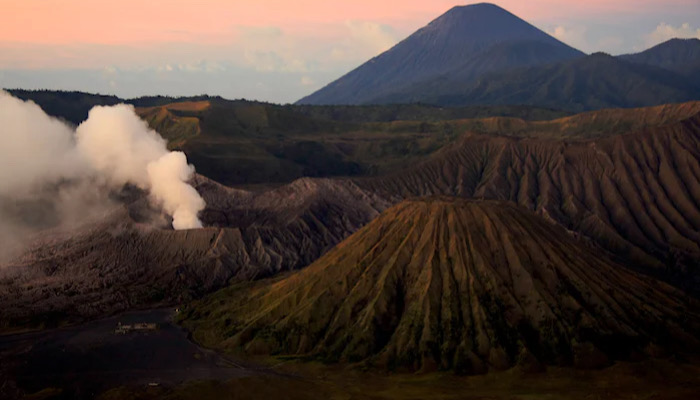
{"points": [[473, 7], [484, 22], [673, 44], [476, 6], [682, 40], [681, 56], [461, 42]]}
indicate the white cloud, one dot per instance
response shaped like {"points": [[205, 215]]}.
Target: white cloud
{"points": [[575, 36], [274, 50], [269, 54], [269, 49], [198, 66], [374, 36], [41, 155], [589, 40], [307, 81], [664, 32], [274, 61]]}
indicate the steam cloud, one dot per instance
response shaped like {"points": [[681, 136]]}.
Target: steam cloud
{"points": [[35, 148], [118, 144], [111, 148]]}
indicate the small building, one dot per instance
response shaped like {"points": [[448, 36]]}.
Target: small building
{"points": [[123, 329]]}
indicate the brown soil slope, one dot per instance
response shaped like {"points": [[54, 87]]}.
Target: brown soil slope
{"points": [[637, 194], [454, 284], [177, 122]]}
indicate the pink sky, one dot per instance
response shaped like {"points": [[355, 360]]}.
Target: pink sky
{"points": [[276, 50], [141, 21]]}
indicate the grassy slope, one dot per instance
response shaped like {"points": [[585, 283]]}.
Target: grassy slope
{"points": [[242, 143], [248, 143]]}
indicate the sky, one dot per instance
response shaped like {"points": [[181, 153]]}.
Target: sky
{"points": [[272, 50]]}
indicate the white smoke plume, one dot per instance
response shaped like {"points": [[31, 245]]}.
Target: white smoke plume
{"points": [[34, 148], [167, 176], [121, 147], [46, 165]]}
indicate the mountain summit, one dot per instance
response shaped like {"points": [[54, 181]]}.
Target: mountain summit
{"points": [[681, 56], [467, 42], [672, 54]]}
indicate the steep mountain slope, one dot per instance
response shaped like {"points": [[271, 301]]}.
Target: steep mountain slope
{"points": [[597, 81], [454, 284], [679, 55], [467, 41], [128, 260], [635, 191]]}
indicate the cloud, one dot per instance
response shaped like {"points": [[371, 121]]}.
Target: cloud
{"points": [[589, 40], [269, 49], [664, 32], [307, 81], [575, 36], [235, 82], [374, 36], [277, 57], [281, 60], [122, 149], [198, 66], [36, 148], [168, 176], [272, 49], [52, 175]]}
